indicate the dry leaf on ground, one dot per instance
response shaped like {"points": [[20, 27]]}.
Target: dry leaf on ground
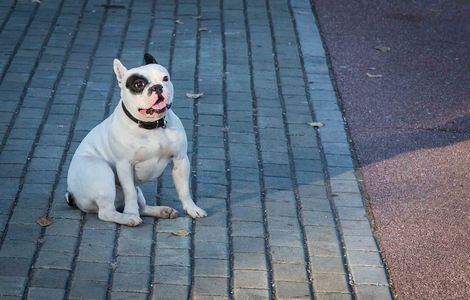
{"points": [[197, 17], [194, 96], [179, 22], [44, 221], [316, 124], [181, 233], [382, 48], [203, 29], [374, 75]]}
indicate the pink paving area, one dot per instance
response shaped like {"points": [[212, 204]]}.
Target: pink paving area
{"points": [[411, 132]]}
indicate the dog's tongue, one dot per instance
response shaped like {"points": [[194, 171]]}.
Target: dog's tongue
{"points": [[159, 105]]}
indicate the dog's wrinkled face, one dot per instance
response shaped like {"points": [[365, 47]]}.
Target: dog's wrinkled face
{"points": [[146, 91]]}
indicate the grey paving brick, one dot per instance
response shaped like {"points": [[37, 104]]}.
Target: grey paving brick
{"points": [[209, 286], [289, 289], [210, 234], [133, 247], [290, 255], [364, 258], [250, 229], [49, 278], [248, 294], [250, 279], [92, 271], [248, 244], [330, 282], [136, 282], [289, 272], [172, 275], [128, 295], [93, 253], [360, 242], [211, 250], [327, 264], [172, 257], [64, 244], [249, 261], [333, 296], [369, 275], [88, 289], [54, 260], [13, 248], [13, 266], [169, 292], [45, 293], [132, 264], [12, 285], [211, 267], [285, 238], [372, 292]]}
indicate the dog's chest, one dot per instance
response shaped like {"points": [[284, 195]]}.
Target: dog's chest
{"points": [[152, 156]]}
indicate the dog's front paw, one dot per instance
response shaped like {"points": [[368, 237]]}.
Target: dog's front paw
{"points": [[133, 220], [195, 211]]}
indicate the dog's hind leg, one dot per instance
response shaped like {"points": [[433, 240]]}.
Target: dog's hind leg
{"points": [[163, 212]]}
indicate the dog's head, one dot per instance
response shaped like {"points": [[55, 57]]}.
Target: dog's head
{"points": [[146, 91]]}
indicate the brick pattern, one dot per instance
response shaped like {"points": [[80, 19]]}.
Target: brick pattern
{"points": [[286, 217]]}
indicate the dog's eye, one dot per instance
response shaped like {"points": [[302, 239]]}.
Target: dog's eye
{"points": [[165, 78], [139, 84]]}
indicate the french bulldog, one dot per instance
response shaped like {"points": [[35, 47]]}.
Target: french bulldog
{"points": [[132, 146]]}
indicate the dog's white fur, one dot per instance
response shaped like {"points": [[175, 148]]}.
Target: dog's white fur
{"points": [[116, 156]]}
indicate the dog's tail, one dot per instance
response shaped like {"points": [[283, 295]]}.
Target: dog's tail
{"points": [[70, 199]]}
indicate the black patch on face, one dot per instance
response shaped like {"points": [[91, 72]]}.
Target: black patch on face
{"points": [[149, 59], [136, 83]]}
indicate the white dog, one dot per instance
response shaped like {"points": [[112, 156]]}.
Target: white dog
{"points": [[130, 147]]}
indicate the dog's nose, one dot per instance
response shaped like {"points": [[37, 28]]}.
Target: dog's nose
{"points": [[158, 88]]}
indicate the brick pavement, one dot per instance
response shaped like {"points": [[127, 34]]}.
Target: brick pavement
{"points": [[286, 216]]}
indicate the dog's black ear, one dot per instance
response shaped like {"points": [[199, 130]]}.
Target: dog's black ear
{"points": [[149, 59]]}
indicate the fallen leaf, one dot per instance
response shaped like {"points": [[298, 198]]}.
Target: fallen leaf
{"points": [[178, 21], [197, 17], [44, 221], [181, 233], [316, 124], [203, 29], [374, 75], [194, 96], [36, 1], [382, 48]]}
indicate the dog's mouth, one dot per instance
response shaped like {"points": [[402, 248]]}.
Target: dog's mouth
{"points": [[159, 107]]}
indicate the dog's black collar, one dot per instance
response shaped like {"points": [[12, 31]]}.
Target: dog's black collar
{"points": [[146, 125]]}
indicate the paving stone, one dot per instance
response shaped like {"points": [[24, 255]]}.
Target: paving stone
{"points": [[170, 292], [92, 271], [371, 292], [327, 264], [333, 296], [133, 264], [12, 285], [292, 289], [255, 294], [130, 282], [248, 244], [88, 289], [364, 258], [172, 257], [172, 275], [128, 295], [49, 278], [211, 250], [289, 272], [369, 275], [54, 260], [211, 267], [250, 279], [330, 282], [13, 266], [45, 293], [288, 255], [209, 286]]}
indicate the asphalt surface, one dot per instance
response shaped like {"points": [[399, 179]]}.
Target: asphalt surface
{"points": [[410, 129]]}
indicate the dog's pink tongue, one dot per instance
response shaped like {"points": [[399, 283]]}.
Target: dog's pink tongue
{"points": [[160, 105]]}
